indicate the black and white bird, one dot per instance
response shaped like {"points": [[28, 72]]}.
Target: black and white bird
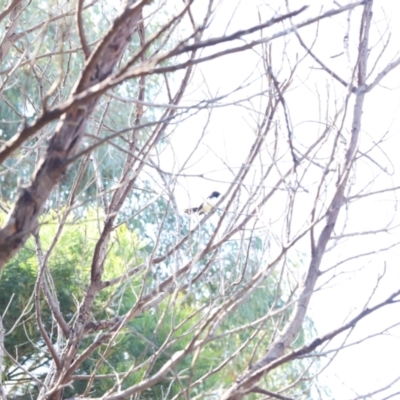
{"points": [[206, 207]]}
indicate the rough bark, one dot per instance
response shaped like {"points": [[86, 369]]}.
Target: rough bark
{"points": [[23, 219], [9, 35]]}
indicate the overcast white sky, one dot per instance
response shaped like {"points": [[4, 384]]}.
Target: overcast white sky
{"points": [[368, 366]]}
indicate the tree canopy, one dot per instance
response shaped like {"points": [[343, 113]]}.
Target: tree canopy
{"points": [[115, 117]]}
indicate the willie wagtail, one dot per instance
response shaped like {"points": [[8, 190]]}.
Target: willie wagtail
{"points": [[206, 206]]}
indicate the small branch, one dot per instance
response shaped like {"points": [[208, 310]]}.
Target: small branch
{"points": [[3, 395], [20, 366], [149, 68], [382, 74], [382, 389], [103, 324], [9, 37], [81, 32], [271, 394], [7, 11], [38, 284], [262, 370], [326, 68], [285, 110]]}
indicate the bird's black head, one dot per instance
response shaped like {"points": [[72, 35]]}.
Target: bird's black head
{"points": [[215, 194]]}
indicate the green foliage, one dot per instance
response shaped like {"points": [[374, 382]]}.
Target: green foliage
{"points": [[144, 336], [69, 264], [138, 342], [140, 347]]}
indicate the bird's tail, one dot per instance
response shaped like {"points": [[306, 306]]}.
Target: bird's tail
{"points": [[191, 210]]}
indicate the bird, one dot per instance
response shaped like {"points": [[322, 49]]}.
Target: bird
{"points": [[205, 207]]}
